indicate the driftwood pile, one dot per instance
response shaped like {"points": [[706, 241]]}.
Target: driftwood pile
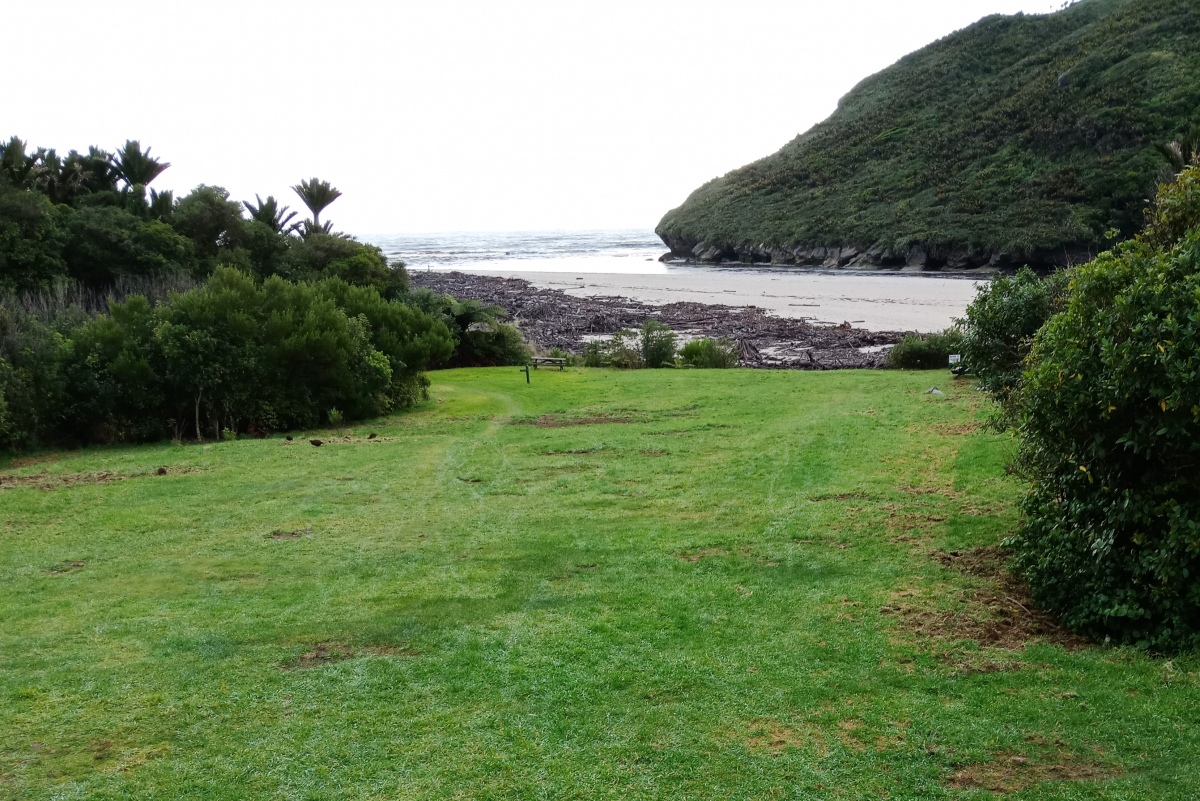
{"points": [[550, 318]]}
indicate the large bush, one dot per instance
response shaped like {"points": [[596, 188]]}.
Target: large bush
{"points": [[1000, 325], [1109, 417], [231, 355]]}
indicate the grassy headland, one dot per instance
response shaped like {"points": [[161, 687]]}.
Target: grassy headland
{"points": [[646, 584], [1019, 139]]}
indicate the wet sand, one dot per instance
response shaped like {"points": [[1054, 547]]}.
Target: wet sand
{"points": [[870, 300]]}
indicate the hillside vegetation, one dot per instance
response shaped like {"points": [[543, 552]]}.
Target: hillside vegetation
{"points": [[1020, 139]]}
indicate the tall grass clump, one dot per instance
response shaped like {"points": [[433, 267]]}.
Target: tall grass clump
{"points": [[710, 353], [925, 351]]}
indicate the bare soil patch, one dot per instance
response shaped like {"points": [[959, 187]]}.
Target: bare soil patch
{"points": [[1010, 773], [327, 653], [957, 430], [770, 735], [30, 461], [66, 567], [295, 534], [564, 421], [998, 613], [46, 481]]}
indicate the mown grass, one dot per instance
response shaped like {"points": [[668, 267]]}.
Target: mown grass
{"points": [[724, 584]]}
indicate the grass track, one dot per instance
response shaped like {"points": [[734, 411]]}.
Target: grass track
{"points": [[680, 599]]}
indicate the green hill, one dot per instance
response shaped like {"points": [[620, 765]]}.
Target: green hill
{"points": [[1020, 139]]}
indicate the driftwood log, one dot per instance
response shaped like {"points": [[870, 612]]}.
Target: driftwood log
{"points": [[550, 318]]}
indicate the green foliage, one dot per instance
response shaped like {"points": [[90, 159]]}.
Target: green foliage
{"points": [[108, 243], [652, 345], [31, 240], [1109, 412], [1019, 135], [710, 353], [1000, 325], [137, 167], [317, 195], [323, 255], [211, 220], [232, 354], [657, 344], [925, 351]]}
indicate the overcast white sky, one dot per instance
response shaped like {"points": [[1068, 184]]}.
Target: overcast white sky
{"points": [[456, 115]]}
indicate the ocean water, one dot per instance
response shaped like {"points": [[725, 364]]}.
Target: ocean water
{"points": [[625, 264], [625, 252]]}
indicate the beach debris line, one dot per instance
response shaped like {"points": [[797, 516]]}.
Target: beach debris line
{"points": [[550, 318]]}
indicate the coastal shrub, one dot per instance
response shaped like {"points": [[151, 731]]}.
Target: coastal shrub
{"points": [[1109, 417], [710, 353], [232, 354], [499, 345], [657, 344], [925, 351], [594, 354], [1000, 324]]}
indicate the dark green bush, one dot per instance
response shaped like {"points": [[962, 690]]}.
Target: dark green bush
{"points": [[925, 351], [1001, 322], [1109, 417], [231, 355], [710, 353]]}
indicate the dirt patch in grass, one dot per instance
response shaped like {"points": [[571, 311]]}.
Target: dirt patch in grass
{"points": [[693, 557], [294, 534], [470, 480], [563, 421], [47, 482], [327, 653], [998, 613], [1010, 773], [844, 496], [772, 736], [30, 461], [961, 430], [321, 654], [575, 452], [66, 567]]}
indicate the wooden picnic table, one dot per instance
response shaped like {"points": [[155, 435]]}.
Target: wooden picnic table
{"points": [[548, 361]]}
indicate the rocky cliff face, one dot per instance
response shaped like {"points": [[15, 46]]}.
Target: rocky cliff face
{"points": [[915, 259]]}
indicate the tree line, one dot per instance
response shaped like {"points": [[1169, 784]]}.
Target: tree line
{"points": [[127, 314]]}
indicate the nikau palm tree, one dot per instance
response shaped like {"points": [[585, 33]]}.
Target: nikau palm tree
{"points": [[135, 167], [1183, 151], [270, 213], [316, 194]]}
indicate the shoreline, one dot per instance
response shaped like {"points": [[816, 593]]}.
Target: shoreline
{"points": [[873, 301], [552, 318]]}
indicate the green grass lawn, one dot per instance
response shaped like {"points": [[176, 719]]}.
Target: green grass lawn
{"points": [[654, 584]]}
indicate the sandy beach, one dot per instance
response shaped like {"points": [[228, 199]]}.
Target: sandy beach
{"points": [[874, 301]]}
